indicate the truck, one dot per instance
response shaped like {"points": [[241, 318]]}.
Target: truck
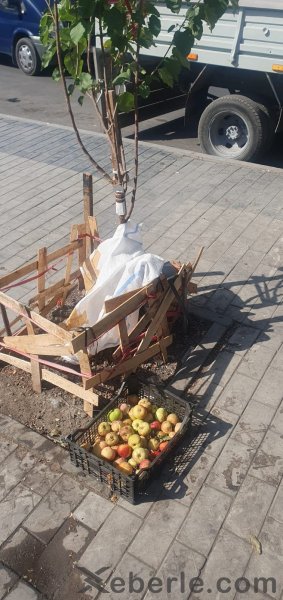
{"points": [[243, 55]]}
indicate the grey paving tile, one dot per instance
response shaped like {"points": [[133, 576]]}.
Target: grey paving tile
{"points": [[204, 520], [236, 394], [103, 552], [55, 508], [253, 424], [158, 531], [21, 553], [22, 591], [276, 508], [270, 388], [268, 462], [265, 571], [16, 506], [277, 423], [216, 430], [7, 580], [180, 566], [256, 361], [135, 577], [13, 469], [228, 559], [93, 510], [228, 472], [249, 508], [41, 478], [6, 448]]}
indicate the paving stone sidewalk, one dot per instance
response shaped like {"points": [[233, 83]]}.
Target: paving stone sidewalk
{"points": [[60, 535]]}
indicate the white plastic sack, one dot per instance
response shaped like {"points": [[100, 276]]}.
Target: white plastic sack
{"points": [[121, 266]]}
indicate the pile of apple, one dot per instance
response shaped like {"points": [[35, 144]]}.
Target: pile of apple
{"points": [[134, 434]]}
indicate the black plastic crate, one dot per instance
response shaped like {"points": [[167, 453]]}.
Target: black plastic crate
{"points": [[129, 487]]}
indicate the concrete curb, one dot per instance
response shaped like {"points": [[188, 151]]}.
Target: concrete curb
{"points": [[168, 149]]}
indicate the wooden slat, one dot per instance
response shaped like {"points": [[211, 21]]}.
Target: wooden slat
{"points": [[123, 334], [58, 380], [6, 320], [56, 287], [88, 208], [42, 264], [41, 343], [128, 365], [6, 280], [34, 364], [85, 368], [113, 303], [39, 320], [110, 319], [73, 237], [158, 319]]}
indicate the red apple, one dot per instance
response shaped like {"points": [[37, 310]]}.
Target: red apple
{"points": [[163, 445], [124, 450], [145, 464], [155, 425], [124, 407]]}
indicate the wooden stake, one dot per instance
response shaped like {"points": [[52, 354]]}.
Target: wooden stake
{"points": [[6, 320], [88, 209], [85, 368], [41, 267]]}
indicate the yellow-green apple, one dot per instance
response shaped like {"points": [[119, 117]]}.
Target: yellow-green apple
{"points": [[139, 412], [133, 463], [140, 454], [166, 427], [145, 464], [127, 422], [136, 423], [103, 428], [145, 402], [111, 438], [173, 418], [131, 414], [134, 440], [124, 450], [108, 453], [115, 415], [153, 444], [143, 428], [161, 414], [171, 434], [115, 426], [177, 427], [126, 468], [125, 432]]}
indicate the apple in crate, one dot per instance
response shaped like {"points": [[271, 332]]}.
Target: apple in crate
{"points": [[124, 450], [161, 414], [144, 428], [155, 425], [145, 464], [134, 440], [126, 468], [127, 422], [145, 402], [132, 399], [173, 418], [177, 427], [133, 463], [138, 412], [136, 423], [111, 438], [103, 428], [115, 426], [149, 418], [153, 444], [163, 446], [124, 407], [166, 427], [125, 432], [108, 453], [140, 454], [115, 415]]}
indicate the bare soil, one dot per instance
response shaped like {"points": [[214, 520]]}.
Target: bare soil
{"points": [[56, 413]]}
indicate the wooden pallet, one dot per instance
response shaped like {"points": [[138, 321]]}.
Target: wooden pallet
{"points": [[29, 338]]}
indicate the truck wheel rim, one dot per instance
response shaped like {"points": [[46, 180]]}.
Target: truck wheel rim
{"points": [[25, 57], [229, 134]]}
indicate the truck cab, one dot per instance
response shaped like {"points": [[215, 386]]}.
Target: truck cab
{"points": [[19, 33]]}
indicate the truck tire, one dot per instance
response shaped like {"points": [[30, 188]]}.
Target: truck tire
{"points": [[27, 58], [234, 127]]}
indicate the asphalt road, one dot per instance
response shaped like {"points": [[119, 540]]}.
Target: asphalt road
{"points": [[42, 99]]}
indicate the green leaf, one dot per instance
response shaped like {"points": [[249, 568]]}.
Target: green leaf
{"points": [[126, 102], [80, 100], [73, 63], [171, 28], [144, 90], [122, 77], [71, 88], [48, 55], [166, 76], [154, 25], [56, 75], [77, 32], [183, 40], [85, 82]]}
